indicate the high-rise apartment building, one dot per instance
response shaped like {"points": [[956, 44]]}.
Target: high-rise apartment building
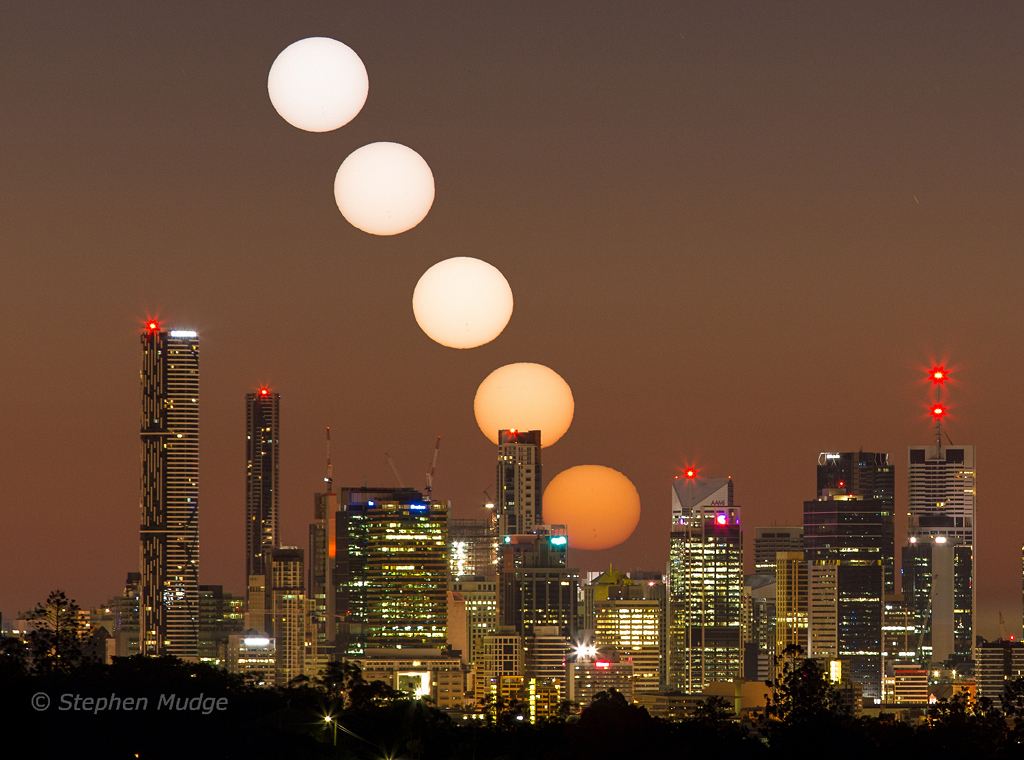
{"points": [[938, 564], [850, 530], [286, 604], [262, 433], [169, 503], [519, 482], [870, 475], [705, 584]]}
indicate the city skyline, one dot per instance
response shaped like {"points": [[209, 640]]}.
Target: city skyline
{"points": [[730, 233]]}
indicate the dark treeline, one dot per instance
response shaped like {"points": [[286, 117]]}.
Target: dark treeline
{"points": [[60, 699], [195, 710]]}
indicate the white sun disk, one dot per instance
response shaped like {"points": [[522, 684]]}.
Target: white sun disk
{"points": [[318, 84], [384, 188], [462, 302]]}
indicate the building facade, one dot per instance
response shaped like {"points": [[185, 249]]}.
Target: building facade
{"points": [[705, 584], [519, 482], [473, 546], [169, 503], [938, 564], [390, 570], [790, 601], [869, 475], [770, 541], [536, 587], [849, 531], [286, 604]]}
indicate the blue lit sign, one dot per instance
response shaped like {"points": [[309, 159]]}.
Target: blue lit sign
{"points": [[417, 506]]}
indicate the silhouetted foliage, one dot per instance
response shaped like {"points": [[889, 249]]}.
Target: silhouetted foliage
{"points": [[55, 643], [14, 660], [374, 721]]}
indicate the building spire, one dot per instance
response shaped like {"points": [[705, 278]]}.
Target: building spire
{"points": [[329, 480], [938, 375]]}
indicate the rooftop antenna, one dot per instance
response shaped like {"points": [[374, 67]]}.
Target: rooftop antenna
{"points": [[329, 480], [938, 375]]}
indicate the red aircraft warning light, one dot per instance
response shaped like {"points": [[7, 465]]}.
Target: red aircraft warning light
{"points": [[938, 375], [691, 474], [263, 391], [938, 411]]}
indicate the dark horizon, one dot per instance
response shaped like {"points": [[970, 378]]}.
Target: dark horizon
{"points": [[741, 235]]}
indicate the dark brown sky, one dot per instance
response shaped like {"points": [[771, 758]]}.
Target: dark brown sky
{"points": [[738, 230]]}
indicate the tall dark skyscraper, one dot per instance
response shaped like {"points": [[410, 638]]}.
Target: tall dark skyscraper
{"points": [[536, 588], [519, 482], [845, 532], [262, 443], [866, 474], [169, 503]]}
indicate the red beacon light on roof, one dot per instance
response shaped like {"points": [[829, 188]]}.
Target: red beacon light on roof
{"points": [[938, 411], [938, 375], [263, 391], [691, 474]]}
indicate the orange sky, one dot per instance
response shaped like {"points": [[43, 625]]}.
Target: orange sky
{"points": [[739, 232]]}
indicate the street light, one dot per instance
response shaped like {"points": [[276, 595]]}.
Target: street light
{"points": [[334, 724]]}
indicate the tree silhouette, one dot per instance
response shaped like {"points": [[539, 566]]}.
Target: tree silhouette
{"points": [[55, 643], [803, 692]]}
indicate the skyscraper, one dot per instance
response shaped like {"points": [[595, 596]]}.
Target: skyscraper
{"points": [[705, 584], [262, 431], [849, 531], [286, 603], [519, 482], [790, 601], [321, 589], [169, 503], [938, 564], [770, 541], [536, 587], [390, 573], [866, 474], [630, 616]]}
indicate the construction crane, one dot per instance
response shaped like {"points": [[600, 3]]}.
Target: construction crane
{"points": [[433, 467], [394, 469]]}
